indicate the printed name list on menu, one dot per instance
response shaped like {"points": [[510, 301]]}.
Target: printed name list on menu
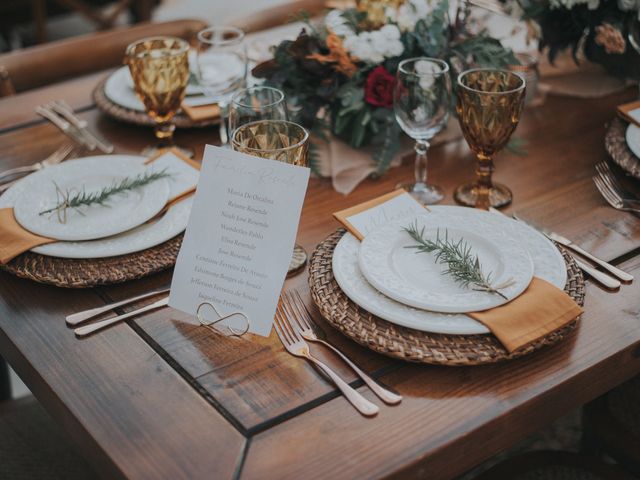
{"points": [[240, 236]]}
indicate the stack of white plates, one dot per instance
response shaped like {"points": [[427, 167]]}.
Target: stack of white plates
{"points": [[411, 289], [125, 224]]}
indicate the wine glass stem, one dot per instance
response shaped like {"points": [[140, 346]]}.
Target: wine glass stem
{"points": [[484, 171], [224, 123], [421, 162], [164, 133]]}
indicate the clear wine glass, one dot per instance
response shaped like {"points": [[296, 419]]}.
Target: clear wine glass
{"points": [[421, 104], [256, 103], [221, 67]]}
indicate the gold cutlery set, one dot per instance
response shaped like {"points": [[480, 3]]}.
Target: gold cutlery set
{"points": [[62, 116], [604, 279], [294, 327]]}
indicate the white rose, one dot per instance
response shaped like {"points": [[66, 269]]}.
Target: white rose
{"points": [[390, 32], [395, 49]]}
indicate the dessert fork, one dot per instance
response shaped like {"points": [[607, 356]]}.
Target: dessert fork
{"points": [[296, 346], [613, 198], [56, 157], [607, 175], [295, 307]]}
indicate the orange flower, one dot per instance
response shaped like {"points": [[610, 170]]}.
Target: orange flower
{"points": [[610, 38], [337, 55]]}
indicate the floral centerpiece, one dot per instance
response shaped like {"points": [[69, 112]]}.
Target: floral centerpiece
{"points": [[605, 31], [341, 73]]}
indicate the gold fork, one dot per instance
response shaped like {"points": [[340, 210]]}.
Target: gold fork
{"points": [[296, 308], [296, 346], [55, 158]]}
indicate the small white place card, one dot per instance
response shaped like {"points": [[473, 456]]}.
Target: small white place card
{"points": [[365, 217], [240, 237]]}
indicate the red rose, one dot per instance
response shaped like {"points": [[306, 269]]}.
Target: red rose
{"points": [[378, 90]]}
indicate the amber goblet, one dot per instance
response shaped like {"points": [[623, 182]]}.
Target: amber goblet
{"points": [[489, 105], [160, 70], [279, 140]]}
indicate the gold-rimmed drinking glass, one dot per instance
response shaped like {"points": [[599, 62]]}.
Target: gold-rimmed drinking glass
{"points": [[489, 105], [278, 140], [160, 70]]}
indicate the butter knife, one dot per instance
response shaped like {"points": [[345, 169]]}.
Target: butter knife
{"points": [[601, 277], [64, 126], [62, 108], [94, 327], [622, 275], [83, 316]]}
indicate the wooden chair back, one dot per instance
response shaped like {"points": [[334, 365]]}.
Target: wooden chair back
{"points": [[45, 64], [272, 17]]}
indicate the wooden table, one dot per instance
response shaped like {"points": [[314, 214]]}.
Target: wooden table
{"points": [[158, 397]]}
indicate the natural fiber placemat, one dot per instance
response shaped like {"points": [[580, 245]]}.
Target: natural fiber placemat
{"points": [[413, 345], [83, 273], [141, 118], [616, 144]]}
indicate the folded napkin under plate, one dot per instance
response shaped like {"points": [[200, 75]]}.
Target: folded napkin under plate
{"points": [[14, 239], [540, 310]]}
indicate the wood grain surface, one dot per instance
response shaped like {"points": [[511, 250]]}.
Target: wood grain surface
{"points": [[161, 397]]}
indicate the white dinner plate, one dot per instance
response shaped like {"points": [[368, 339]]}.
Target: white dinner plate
{"points": [[548, 265], [416, 279], [119, 213], [119, 89], [148, 235], [633, 139]]}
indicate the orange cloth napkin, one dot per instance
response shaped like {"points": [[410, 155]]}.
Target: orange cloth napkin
{"points": [[538, 311], [541, 309], [14, 239], [624, 112], [201, 113]]}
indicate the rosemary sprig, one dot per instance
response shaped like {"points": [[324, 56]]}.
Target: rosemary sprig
{"points": [[73, 199], [461, 263]]}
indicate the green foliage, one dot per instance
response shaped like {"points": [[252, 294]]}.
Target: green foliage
{"points": [[328, 96], [462, 264], [75, 199]]}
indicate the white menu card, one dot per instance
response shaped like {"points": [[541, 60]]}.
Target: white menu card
{"points": [[240, 237]]}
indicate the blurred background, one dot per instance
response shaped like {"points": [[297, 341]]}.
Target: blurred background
{"points": [[28, 22]]}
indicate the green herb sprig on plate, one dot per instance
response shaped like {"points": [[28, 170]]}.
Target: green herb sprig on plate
{"points": [[75, 199], [461, 263]]}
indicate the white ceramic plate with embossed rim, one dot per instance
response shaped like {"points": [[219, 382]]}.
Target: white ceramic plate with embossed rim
{"points": [[415, 279], [633, 139], [548, 265], [118, 214], [148, 235]]}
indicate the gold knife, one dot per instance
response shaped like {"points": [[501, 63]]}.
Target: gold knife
{"points": [[622, 275], [63, 108], [64, 126], [94, 327]]}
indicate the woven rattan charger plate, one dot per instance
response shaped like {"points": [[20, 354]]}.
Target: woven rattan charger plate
{"points": [[616, 144], [140, 118], [413, 345], [83, 273]]}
